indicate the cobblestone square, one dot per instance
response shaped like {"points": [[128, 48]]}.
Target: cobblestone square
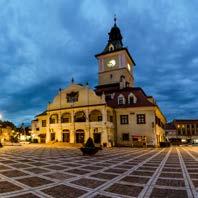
{"points": [[58, 171]]}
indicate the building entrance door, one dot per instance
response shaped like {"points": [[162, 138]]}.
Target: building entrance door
{"points": [[66, 137], [80, 136], [52, 136], [97, 138]]}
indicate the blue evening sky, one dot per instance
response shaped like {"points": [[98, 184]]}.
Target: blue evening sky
{"points": [[44, 43]]}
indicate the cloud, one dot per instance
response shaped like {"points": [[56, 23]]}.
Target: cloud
{"points": [[46, 43]]}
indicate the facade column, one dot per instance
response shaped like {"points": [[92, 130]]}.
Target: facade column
{"points": [[73, 130], [48, 135], [59, 130], [104, 115], [72, 136], [104, 134], [155, 137], [88, 126], [59, 135], [47, 130]]}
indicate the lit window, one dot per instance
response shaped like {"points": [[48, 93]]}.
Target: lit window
{"points": [[141, 119], [43, 123], [124, 119]]}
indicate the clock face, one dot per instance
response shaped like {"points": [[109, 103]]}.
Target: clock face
{"points": [[111, 63]]}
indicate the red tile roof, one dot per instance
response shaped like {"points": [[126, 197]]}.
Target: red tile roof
{"points": [[185, 121], [142, 98]]}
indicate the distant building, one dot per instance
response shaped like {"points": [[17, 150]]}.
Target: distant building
{"points": [[115, 113], [5, 134], [185, 131]]}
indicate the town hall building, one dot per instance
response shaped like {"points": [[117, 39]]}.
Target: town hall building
{"points": [[115, 113]]}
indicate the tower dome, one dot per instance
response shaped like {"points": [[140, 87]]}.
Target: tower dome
{"points": [[115, 38]]}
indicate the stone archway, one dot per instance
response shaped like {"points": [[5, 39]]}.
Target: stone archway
{"points": [[80, 116], [95, 116], [66, 117]]}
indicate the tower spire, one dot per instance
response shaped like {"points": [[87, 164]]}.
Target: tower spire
{"points": [[115, 38]]}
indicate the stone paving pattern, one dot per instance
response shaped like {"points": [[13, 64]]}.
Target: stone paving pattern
{"points": [[34, 171]]}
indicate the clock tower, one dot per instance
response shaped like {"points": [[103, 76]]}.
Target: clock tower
{"points": [[115, 64]]}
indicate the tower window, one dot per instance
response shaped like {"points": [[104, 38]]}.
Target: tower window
{"points": [[111, 47], [111, 76]]}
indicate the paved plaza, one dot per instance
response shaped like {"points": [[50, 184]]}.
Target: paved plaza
{"points": [[34, 171]]}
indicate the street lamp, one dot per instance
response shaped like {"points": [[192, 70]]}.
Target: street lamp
{"points": [[1, 116]]}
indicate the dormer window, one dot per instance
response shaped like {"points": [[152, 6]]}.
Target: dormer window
{"points": [[132, 99], [121, 99]]}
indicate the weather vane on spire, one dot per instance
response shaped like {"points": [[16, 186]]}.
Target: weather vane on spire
{"points": [[115, 19]]}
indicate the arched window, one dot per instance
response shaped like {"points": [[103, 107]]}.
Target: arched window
{"points": [[80, 116], [121, 99], [132, 99], [66, 118], [95, 116], [53, 119], [111, 47]]}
